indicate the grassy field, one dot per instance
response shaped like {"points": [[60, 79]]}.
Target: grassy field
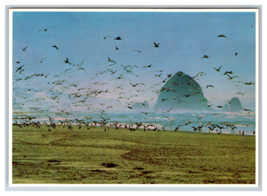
{"points": [[119, 156]]}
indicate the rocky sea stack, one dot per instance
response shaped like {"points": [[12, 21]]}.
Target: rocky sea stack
{"points": [[181, 92], [233, 106]]}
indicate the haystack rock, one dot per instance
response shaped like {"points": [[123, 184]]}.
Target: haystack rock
{"points": [[181, 92], [233, 106]]}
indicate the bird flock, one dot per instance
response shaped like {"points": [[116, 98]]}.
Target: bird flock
{"points": [[127, 83]]}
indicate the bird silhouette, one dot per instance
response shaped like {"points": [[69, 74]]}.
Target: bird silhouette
{"points": [[19, 68], [209, 86], [106, 37], [42, 60], [54, 46], [45, 29], [156, 45], [218, 68], [205, 57], [222, 36], [119, 77], [148, 66], [228, 72], [136, 51], [109, 60], [116, 48], [249, 83], [67, 61], [231, 77], [117, 38], [194, 128], [23, 49], [236, 54]]}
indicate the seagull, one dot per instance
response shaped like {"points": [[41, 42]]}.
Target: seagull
{"points": [[247, 110], [42, 60], [45, 29], [205, 57], [218, 68], [210, 86], [156, 45], [19, 68], [67, 61], [54, 46], [148, 66], [106, 37], [249, 83], [228, 72], [110, 61], [23, 49], [117, 38]]}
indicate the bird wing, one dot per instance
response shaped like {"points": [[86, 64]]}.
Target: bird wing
{"points": [[40, 31]]}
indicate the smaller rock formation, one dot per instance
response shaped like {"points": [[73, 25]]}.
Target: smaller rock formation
{"points": [[233, 106]]}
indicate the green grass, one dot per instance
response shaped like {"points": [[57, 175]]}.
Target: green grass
{"points": [[76, 157]]}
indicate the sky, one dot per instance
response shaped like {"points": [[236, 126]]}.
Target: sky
{"points": [[184, 37]]}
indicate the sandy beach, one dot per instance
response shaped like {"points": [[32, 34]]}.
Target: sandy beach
{"points": [[95, 156]]}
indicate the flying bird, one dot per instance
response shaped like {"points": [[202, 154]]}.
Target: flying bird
{"points": [[117, 38], [116, 48], [45, 29], [205, 57], [209, 86], [236, 54], [218, 68], [247, 110], [23, 49], [106, 37], [230, 78], [249, 83], [42, 60], [222, 36], [110, 61], [156, 45], [228, 72], [148, 66], [119, 77], [136, 51], [54, 46], [20, 68], [67, 61]]}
